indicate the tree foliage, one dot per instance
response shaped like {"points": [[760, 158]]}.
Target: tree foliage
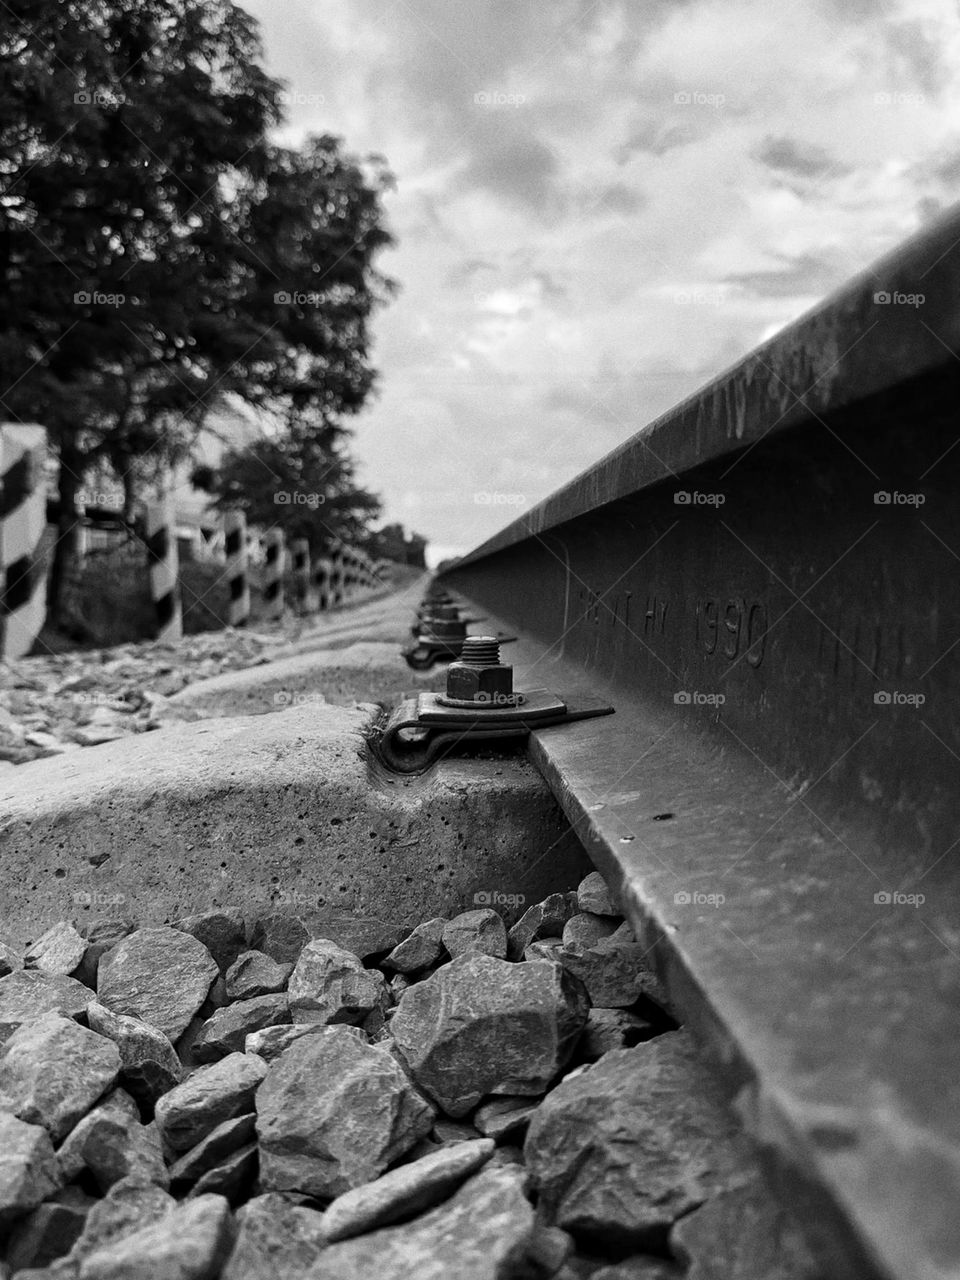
{"points": [[159, 251]]}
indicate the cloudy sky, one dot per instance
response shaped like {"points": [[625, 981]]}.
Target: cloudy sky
{"points": [[600, 204]]}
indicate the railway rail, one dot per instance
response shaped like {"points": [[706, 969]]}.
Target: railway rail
{"points": [[764, 583]]}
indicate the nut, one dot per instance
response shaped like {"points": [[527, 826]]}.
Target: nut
{"points": [[479, 676]]}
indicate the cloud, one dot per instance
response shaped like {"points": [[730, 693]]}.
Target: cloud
{"points": [[522, 170], [802, 159]]}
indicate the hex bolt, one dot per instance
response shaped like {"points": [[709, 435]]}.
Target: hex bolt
{"points": [[478, 675]]}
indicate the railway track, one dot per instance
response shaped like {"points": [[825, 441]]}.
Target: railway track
{"points": [[763, 582]]}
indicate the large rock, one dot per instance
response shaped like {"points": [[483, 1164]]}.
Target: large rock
{"points": [[234, 1177], [482, 932], [275, 1239], [365, 936], [149, 1063], [160, 975], [46, 1234], [52, 1071], [585, 929], [280, 935], [333, 1113], [504, 1117], [116, 1146], [405, 1191], [127, 1207], [28, 1167], [481, 1025], [227, 1029], [480, 1233], [100, 936], [595, 896], [419, 950], [330, 985], [223, 1141], [223, 933], [191, 1243], [211, 1095], [543, 920], [620, 1150], [116, 1104], [255, 974], [613, 971], [742, 1234], [272, 1041], [59, 950], [26, 994]]}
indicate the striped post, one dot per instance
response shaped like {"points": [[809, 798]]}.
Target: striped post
{"points": [[235, 539], [23, 517], [164, 562], [273, 574], [300, 549], [321, 581], [336, 575]]}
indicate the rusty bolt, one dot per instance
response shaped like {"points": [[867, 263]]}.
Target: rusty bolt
{"points": [[479, 675]]}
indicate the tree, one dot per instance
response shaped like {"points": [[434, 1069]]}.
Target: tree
{"points": [[147, 227], [301, 481]]}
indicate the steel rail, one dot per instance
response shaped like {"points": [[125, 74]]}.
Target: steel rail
{"points": [[764, 582]]}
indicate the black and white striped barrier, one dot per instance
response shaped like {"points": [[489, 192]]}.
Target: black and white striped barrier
{"points": [[235, 545], [164, 565], [23, 517], [336, 575], [273, 574], [321, 582], [300, 550]]}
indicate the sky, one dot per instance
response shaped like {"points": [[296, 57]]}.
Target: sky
{"points": [[601, 204]]}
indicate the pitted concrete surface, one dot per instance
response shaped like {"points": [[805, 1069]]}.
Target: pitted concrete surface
{"points": [[271, 812], [360, 671]]}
